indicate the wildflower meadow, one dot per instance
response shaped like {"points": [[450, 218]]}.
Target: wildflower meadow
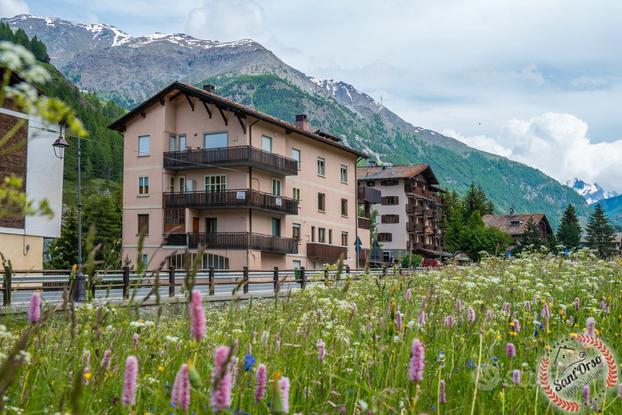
{"points": [[459, 340]]}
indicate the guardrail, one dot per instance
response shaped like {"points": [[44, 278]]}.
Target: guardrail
{"points": [[55, 284]]}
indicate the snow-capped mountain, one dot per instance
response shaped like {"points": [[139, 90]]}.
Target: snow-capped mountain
{"points": [[591, 192]]}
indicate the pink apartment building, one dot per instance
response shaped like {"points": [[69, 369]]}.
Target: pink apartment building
{"points": [[253, 190]]}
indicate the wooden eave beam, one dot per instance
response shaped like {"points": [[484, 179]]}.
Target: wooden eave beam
{"points": [[222, 114], [207, 108], [175, 96], [239, 117], [190, 102]]}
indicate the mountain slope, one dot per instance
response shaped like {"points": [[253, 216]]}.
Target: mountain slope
{"points": [[591, 192], [105, 60]]}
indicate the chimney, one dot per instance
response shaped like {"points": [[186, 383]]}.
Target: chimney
{"points": [[301, 122], [209, 88]]}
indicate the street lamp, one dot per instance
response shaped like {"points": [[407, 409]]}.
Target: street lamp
{"points": [[59, 145]]}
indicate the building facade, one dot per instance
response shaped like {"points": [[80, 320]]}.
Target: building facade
{"points": [[516, 225], [410, 216], [202, 171], [29, 155]]}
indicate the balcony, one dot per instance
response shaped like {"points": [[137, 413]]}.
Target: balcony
{"points": [[368, 194], [243, 198], [414, 227], [230, 156], [327, 254], [234, 240], [363, 223], [417, 210]]}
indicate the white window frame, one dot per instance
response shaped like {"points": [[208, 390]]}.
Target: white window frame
{"points": [[343, 168], [143, 185], [148, 141], [298, 158], [205, 135], [215, 187], [182, 184], [321, 171], [180, 138], [171, 184], [296, 193], [172, 142], [266, 139]]}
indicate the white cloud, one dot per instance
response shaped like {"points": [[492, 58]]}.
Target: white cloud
{"points": [[226, 20], [558, 144], [10, 8]]}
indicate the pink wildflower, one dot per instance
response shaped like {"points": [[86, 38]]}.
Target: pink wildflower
{"points": [[417, 361], [197, 317], [422, 318], [129, 381], [398, 321], [506, 307], [590, 325], [577, 303], [586, 394], [516, 375], [221, 380], [528, 306], [510, 350], [442, 397], [34, 311], [517, 326], [470, 315], [408, 295], [181, 388], [283, 384], [546, 314], [459, 305], [105, 363], [260, 382], [135, 340], [321, 350], [488, 314]]}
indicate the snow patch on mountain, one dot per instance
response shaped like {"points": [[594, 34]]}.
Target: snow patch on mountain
{"points": [[592, 192]]}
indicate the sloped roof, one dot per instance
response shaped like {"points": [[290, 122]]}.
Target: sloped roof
{"points": [[396, 172], [515, 224], [228, 105]]}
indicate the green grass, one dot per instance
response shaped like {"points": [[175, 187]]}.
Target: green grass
{"points": [[367, 361]]}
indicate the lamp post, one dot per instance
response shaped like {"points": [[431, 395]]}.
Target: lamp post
{"points": [[59, 151]]}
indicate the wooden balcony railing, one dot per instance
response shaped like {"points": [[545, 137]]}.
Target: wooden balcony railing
{"points": [[243, 198], [368, 194], [230, 156], [414, 227], [417, 210], [364, 223], [328, 254], [234, 240]]}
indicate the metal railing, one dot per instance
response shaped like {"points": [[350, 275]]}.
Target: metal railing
{"points": [[55, 285], [236, 198], [205, 158]]}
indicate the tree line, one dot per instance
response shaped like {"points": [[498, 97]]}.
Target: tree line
{"points": [[34, 45]]}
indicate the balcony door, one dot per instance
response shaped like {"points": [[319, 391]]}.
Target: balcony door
{"points": [[215, 140], [276, 227], [211, 225], [266, 144], [215, 183], [195, 225]]}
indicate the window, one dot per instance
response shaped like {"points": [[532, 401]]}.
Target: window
{"points": [[182, 142], [296, 194], [215, 140], [209, 260], [390, 200], [171, 184], [143, 185], [389, 182], [344, 207], [321, 235], [371, 183], [276, 227], [385, 237], [296, 156], [390, 219], [145, 258], [312, 233], [215, 183], [344, 173], [211, 225], [175, 216], [330, 236], [172, 142], [344, 238], [182, 184], [144, 144], [321, 167], [276, 187], [296, 264], [266, 144], [321, 202], [143, 224], [296, 231]]}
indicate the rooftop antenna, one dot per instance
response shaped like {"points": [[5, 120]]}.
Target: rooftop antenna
{"points": [[512, 211]]}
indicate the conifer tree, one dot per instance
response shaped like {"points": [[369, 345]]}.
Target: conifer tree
{"points": [[600, 233], [531, 237], [475, 199], [569, 231]]}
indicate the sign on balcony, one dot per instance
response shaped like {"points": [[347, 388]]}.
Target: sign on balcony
{"points": [[240, 195], [278, 201]]}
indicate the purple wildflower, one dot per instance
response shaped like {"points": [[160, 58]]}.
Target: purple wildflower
{"points": [[517, 326], [459, 305], [129, 381], [528, 306], [510, 350], [421, 319], [408, 295], [321, 350], [586, 394], [442, 397], [488, 314], [135, 340], [471, 315], [221, 380], [398, 321], [516, 375], [506, 307], [283, 384], [417, 361], [34, 311], [590, 324], [449, 321], [546, 314], [197, 317], [105, 363], [260, 382], [181, 388], [577, 303]]}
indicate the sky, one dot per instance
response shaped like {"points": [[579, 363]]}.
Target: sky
{"points": [[537, 81]]}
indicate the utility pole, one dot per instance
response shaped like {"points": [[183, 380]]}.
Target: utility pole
{"points": [[80, 291]]}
